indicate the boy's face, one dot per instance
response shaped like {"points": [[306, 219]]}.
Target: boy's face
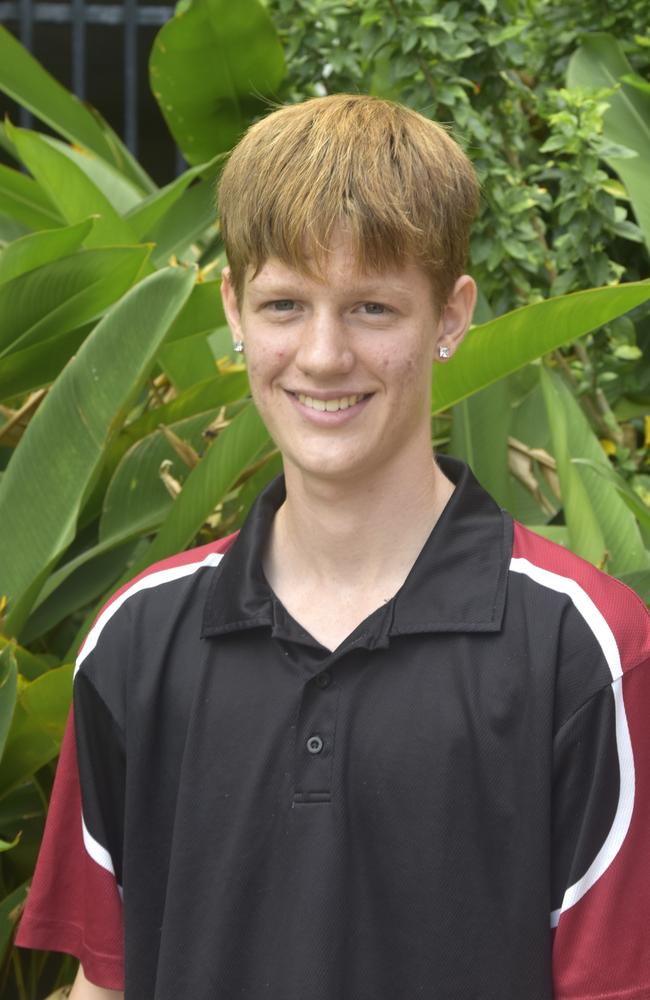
{"points": [[341, 370]]}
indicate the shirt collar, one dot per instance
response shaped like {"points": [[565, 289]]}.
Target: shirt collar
{"points": [[457, 583]]}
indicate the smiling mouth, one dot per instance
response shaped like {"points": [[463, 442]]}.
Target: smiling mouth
{"points": [[330, 405]]}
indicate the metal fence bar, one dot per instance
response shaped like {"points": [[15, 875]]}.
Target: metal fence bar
{"points": [[26, 17], [26, 37], [131, 75], [79, 14], [94, 13], [78, 48]]}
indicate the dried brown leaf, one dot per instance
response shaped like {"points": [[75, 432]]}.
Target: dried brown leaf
{"points": [[218, 424], [183, 449], [172, 484], [521, 465], [18, 420]]}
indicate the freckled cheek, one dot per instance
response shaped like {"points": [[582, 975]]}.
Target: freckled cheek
{"points": [[264, 367], [407, 369]]}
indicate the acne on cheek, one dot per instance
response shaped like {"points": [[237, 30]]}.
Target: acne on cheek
{"points": [[407, 364], [276, 357]]}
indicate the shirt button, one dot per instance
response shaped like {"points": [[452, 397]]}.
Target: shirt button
{"points": [[314, 744], [323, 680]]}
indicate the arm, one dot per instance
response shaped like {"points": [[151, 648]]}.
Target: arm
{"points": [[602, 815], [84, 990], [74, 905]]}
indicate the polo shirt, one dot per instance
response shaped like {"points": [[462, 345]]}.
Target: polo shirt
{"points": [[453, 804]]}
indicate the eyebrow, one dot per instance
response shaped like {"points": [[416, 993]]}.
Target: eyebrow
{"points": [[282, 288]]}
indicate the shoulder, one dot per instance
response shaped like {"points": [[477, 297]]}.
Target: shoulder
{"points": [[157, 589], [610, 610]]}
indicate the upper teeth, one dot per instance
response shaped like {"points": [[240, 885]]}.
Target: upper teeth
{"points": [[329, 404]]}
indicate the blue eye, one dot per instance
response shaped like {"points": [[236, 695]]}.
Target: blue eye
{"points": [[375, 308], [282, 305]]}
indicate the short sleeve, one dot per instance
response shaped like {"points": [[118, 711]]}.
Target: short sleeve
{"points": [[74, 904], [601, 845]]}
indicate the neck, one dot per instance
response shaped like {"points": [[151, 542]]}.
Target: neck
{"points": [[339, 535]]}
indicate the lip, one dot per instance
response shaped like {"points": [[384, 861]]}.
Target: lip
{"points": [[325, 418], [325, 396]]}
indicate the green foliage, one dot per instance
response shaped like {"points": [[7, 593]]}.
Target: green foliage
{"points": [[601, 527], [505, 344], [601, 62], [126, 432], [209, 67], [24, 79], [496, 72], [75, 422]]}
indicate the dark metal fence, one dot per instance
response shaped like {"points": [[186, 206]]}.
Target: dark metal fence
{"points": [[22, 16]]}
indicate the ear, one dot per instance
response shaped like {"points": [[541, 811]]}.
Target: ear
{"points": [[230, 305], [456, 316]]}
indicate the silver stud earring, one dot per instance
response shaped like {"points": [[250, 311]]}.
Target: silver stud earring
{"points": [[443, 351], [238, 346]]}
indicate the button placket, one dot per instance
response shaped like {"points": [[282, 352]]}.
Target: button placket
{"points": [[315, 739]]}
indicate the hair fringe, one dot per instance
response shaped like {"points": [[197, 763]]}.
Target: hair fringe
{"points": [[397, 182]]}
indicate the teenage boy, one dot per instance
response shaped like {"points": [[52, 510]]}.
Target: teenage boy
{"points": [[385, 743]]}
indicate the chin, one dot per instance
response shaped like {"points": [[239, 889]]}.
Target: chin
{"points": [[329, 468]]}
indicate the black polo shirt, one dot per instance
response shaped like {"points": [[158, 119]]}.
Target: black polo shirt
{"points": [[453, 804]]}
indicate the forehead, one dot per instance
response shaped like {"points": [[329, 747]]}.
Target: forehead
{"points": [[340, 273]]}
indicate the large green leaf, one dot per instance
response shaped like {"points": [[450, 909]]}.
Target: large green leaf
{"points": [[136, 496], [220, 390], [480, 436], [211, 66], [8, 682], [39, 364], [601, 527], [75, 567], [503, 345], [212, 392], [631, 499], [81, 588], [20, 806], [22, 199], [206, 486], [53, 468], [222, 346], [529, 424], [601, 62], [120, 191], [10, 909], [70, 189], [11, 229], [188, 361], [61, 296], [202, 313], [36, 249], [24, 79], [37, 726], [29, 665], [254, 484], [152, 210], [191, 215]]}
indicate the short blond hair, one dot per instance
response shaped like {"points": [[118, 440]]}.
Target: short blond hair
{"points": [[399, 184]]}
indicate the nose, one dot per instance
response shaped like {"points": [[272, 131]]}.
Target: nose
{"points": [[324, 349]]}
